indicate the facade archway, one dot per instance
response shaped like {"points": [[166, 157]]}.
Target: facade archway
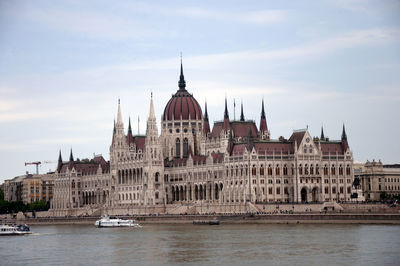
{"points": [[303, 194]]}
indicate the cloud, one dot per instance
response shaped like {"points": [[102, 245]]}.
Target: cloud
{"points": [[130, 23], [89, 23], [257, 17], [310, 50]]}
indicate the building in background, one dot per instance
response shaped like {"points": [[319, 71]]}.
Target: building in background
{"points": [[38, 188], [29, 188], [13, 188], [378, 181]]}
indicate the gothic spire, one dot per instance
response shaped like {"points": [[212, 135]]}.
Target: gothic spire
{"points": [[263, 120], [59, 165], [151, 115], [322, 133], [262, 109], [206, 125], [241, 112], [344, 135], [226, 114], [114, 128], [71, 157], [205, 113], [182, 82], [129, 126], [119, 117]]}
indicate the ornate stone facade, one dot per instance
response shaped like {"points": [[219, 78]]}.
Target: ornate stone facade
{"points": [[378, 180], [233, 163]]}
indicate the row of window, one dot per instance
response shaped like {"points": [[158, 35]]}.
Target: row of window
{"points": [[306, 170]]}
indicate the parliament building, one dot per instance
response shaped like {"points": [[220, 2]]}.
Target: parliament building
{"points": [[190, 164]]}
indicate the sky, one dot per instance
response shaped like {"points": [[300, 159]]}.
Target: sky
{"points": [[65, 64]]}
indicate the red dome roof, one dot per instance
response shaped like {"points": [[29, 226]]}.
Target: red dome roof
{"points": [[182, 104]]}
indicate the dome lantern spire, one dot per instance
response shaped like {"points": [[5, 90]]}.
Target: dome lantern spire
{"points": [[182, 82]]}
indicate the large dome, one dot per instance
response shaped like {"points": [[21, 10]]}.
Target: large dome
{"points": [[182, 104]]}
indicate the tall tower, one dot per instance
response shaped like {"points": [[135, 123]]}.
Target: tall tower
{"points": [[118, 151], [154, 163]]}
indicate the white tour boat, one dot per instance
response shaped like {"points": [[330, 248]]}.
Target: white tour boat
{"points": [[107, 221], [9, 230]]}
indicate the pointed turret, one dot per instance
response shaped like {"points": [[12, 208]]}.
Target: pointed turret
{"points": [[151, 142], [226, 117], [226, 114], [119, 115], [151, 129], [129, 137], [344, 135], [263, 123], [206, 124], [129, 127], [151, 114], [114, 128], [71, 160], [119, 126], [345, 144], [182, 82], [71, 156], [241, 113], [59, 165], [322, 134]]}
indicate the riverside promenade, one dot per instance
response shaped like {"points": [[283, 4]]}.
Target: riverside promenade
{"points": [[352, 213]]}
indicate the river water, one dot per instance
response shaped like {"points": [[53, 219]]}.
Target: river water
{"points": [[237, 244]]}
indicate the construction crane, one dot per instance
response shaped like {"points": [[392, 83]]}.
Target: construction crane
{"points": [[37, 164]]}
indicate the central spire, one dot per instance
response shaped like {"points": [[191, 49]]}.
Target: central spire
{"points": [[182, 82]]}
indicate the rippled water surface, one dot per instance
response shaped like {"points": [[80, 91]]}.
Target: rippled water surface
{"points": [[242, 244]]}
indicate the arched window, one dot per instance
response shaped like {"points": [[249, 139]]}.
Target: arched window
{"points": [[306, 169], [333, 169], [300, 169], [185, 148], [269, 170], [340, 170], [277, 170], [156, 176], [285, 170], [178, 148], [253, 170], [262, 170], [311, 169], [348, 170], [326, 169], [317, 169]]}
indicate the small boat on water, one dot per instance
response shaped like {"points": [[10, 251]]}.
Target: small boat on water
{"points": [[107, 221], [10, 230], [206, 222]]}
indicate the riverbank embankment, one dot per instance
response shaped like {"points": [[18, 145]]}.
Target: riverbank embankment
{"points": [[329, 218]]}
